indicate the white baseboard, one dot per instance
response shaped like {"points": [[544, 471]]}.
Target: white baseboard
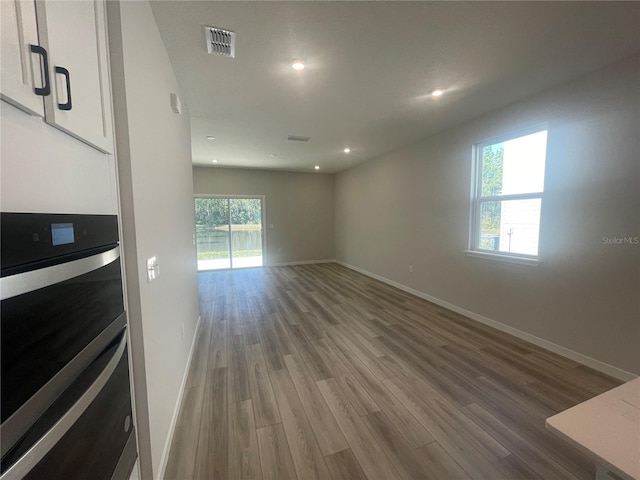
{"points": [[176, 410], [304, 262], [541, 342]]}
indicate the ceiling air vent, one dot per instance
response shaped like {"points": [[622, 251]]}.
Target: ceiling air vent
{"points": [[221, 42], [296, 138]]}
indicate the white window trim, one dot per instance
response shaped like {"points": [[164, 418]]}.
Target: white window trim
{"points": [[501, 257], [476, 201]]}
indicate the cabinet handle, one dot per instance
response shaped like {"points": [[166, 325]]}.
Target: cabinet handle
{"points": [[46, 88], [65, 72]]}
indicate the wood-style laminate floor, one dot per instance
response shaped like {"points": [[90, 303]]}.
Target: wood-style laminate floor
{"points": [[318, 372]]}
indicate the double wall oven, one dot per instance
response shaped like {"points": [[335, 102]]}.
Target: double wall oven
{"points": [[65, 396]]}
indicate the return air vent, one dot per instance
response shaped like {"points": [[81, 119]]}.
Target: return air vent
{"points": [[296, 138], [220, 42]]}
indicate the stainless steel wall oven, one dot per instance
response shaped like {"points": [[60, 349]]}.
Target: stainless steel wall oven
{"points": [[66, 403]]}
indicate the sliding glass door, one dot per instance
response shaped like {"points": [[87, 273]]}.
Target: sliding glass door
{"points": [[212, 233], [229, 232], [246, 232]]}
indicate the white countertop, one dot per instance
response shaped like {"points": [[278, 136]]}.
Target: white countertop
{"points": [[607, 428]]}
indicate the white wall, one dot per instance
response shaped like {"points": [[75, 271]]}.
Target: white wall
{"points": [[412, 207], [300, 206], [154, 161]]}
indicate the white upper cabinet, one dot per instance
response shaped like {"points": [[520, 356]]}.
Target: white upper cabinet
{"points": [[20, 70], [74, 34], [56, 50]]}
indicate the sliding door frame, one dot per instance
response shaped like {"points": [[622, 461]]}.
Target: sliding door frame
{"points": [[263, 219]]}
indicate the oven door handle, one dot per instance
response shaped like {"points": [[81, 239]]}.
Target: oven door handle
{"points": [[37, 452], [26, 282]]}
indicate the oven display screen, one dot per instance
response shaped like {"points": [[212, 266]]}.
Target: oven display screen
{"points": [[62, 233]]}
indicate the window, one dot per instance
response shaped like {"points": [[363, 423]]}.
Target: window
{"points": [[508, 191]]}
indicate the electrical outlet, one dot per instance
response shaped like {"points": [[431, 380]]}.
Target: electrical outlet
{"points": [[410, 268]]}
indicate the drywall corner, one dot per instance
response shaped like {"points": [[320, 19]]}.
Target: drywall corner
{"points": [[155, 179]]}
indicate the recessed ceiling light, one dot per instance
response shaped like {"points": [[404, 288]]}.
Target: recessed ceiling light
{"points": [[317, 167], [347, 150], [297, 65], [214, 160], [209, 137], [437, 93]]}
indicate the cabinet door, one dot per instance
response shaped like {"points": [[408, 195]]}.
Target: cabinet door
{"points": [[74, 34], [20, 72]]}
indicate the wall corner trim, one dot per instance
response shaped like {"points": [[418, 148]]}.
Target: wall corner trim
{"points": [[176, 410], [541, 342]]}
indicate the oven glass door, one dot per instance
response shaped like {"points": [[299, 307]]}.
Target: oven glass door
{"points": [[83, 434], [45, 328]]}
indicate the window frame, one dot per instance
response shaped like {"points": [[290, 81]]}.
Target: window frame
{"points": [[477, 199]]}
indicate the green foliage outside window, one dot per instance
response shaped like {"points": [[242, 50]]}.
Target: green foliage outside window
{"points": [[492, 169], [213, 212]]}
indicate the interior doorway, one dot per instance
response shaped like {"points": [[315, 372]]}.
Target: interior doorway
{"points": [[229, 232]]}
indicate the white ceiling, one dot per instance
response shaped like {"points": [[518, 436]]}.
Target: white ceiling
{"points": [[370, 69]]}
